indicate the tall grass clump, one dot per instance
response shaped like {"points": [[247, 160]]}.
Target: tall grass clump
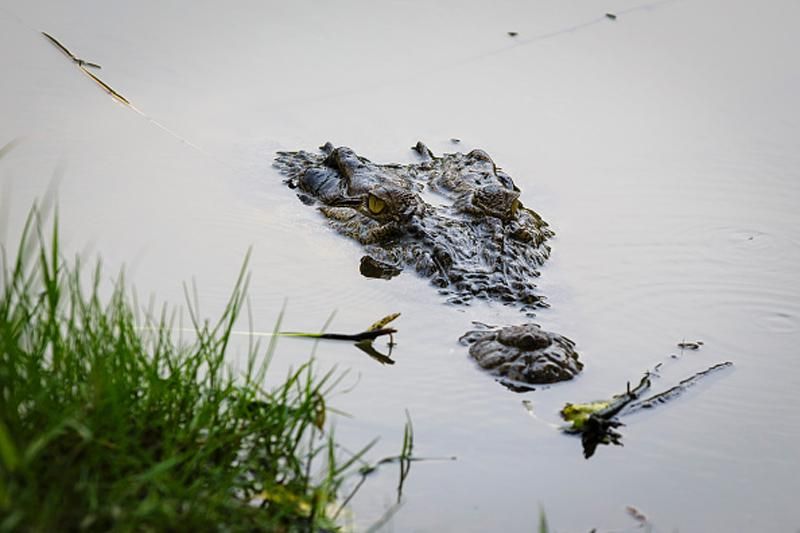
{"points": [[108, 422]]}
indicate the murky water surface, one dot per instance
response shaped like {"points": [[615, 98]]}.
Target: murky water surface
{"points": [[663, 147]]}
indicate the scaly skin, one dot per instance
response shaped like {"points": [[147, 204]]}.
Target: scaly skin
{"points": [[480, 243], [456, 219]]}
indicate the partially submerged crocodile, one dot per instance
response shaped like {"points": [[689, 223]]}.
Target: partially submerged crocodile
{"points": [[456, 219]]}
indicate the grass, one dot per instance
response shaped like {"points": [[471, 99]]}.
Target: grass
{"points": [[107, 422]]}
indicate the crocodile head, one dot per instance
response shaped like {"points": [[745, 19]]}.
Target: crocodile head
{"points": [[456, 219]]}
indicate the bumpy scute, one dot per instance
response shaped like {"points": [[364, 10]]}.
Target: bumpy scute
{"points": [[523, 354]]}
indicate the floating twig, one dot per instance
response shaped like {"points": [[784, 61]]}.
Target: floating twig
{"points": [[69, 54], [687, 345], [637, 515], [579, 415], [375, 330], [380, 324], [596, 421], [107, 87], [355, 337], [677, 390], [83, 64], [363, 340]]}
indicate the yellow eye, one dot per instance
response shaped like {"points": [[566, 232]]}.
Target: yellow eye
{"points": [[515, 205], [375, 204]]}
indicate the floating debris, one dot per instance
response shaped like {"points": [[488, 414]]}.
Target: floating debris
{"points": [[82, 65], [637, 515], [107, 87], [364, 335], [596, 416], [69, 54], [371, 333], [611, 16], [677, 390], [380, 324], [455, 140], [597, 421], [512, 34], [690, 345]]}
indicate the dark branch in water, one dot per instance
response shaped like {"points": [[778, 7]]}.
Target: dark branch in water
{"points": [[376, 330], [596, 421], [370, 335], [107, 87], [677, 390], [363, 336], [620, 402], [599, 427], [363, 340], [690, 345]]}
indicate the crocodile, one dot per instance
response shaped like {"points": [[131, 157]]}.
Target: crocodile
{"points": [[455, 219]]}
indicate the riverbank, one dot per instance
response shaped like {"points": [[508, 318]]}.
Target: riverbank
{"points": [[109, 421]]}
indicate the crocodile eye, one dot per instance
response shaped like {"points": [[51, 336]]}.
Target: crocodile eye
{"points": [[515, 205], [375, 204]]}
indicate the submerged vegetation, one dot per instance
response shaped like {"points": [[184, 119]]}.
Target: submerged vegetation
{"points": [[108, 422]]}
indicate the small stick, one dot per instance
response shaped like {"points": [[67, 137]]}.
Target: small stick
{"points": [[363, 336], [83, 64], [107, 87], [69, 54], [675, 391]]}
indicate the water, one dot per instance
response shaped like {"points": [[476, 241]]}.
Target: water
{"points": [[662, 147]]}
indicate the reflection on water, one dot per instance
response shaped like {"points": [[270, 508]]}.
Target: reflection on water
{"points": [[368, 348]]}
